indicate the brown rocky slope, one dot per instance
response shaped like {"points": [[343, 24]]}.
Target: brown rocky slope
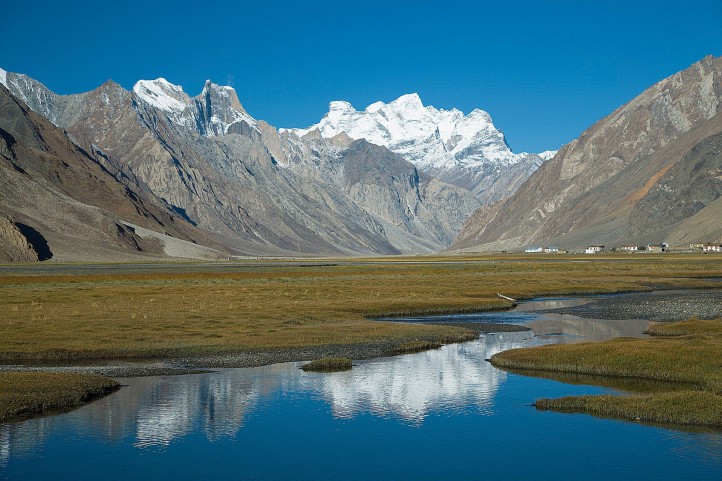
{"points": [[649, 172], [63, 203], [241, 183]]}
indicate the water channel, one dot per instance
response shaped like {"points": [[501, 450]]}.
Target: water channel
{"points": [[441, 414]]}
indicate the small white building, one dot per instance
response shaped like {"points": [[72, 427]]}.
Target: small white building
{"points": [[594, 249], [661, 247], [629, 248], [534, 249], [712, 248], [552, 250]]}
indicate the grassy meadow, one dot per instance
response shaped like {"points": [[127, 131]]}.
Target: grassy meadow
{"points": [[67, 313], [70, 312], [687, 353]]}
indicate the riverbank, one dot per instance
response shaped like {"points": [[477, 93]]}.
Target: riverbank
{"points": [[74, 313], [27, 394], [256, 357], [178, 318], [660, 306], [685, 352]]}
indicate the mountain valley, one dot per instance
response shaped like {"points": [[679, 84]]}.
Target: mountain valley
{"points": [[153, 172]]}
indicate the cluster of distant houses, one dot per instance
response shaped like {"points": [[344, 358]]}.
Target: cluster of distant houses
{"points": [[706, 247], [543, 249], [661, 247]]}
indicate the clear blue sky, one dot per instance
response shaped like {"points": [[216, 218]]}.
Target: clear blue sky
{"points": [[544, 70]]}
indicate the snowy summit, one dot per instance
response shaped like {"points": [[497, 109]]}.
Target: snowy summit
{"points": [[433, 139], [215, 111]]}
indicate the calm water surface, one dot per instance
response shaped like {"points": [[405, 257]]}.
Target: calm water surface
{"points": [[442, 414]]}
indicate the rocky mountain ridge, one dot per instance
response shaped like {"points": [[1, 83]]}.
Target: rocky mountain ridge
{"points": [[464, 150], [648, 172], [113, 173], [245, 186], [58, 201]]}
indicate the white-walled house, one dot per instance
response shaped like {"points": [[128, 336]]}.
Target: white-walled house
{"points": [[594, 249], [661, 247]]}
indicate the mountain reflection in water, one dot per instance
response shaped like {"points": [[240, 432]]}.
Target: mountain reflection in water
{"points": [[155, 411], [236, 423], [453, 377]]}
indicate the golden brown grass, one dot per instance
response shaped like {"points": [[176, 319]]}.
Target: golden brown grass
{"points": [[24, 394], [683, 352], [188, 309]]}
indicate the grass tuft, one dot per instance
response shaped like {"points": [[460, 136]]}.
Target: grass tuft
{"points": [[328, 364], [26, 394], [416, 346]]}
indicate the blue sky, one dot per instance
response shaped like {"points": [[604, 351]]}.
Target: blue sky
{"points": [[544, 70]]}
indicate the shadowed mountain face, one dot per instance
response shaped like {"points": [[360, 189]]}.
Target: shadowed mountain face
{"points": [[649, 172], [14, 244], [207, 172], [59, 201]]}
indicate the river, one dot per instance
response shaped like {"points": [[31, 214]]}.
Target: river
{"points": [[441, 414]]}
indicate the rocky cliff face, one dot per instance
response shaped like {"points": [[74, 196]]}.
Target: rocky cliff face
{"points": [[606, 186], [64, 202], [215, 111], [244, 185], [464, 150], [392, 189]]}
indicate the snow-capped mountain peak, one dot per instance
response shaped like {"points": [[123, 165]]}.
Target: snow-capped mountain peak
{"points": [[547, 154], [466, 150], [215, 111], [374, 107], [340, 106], [3, 77], [162, 95], [429, 137], [411, 100]]}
